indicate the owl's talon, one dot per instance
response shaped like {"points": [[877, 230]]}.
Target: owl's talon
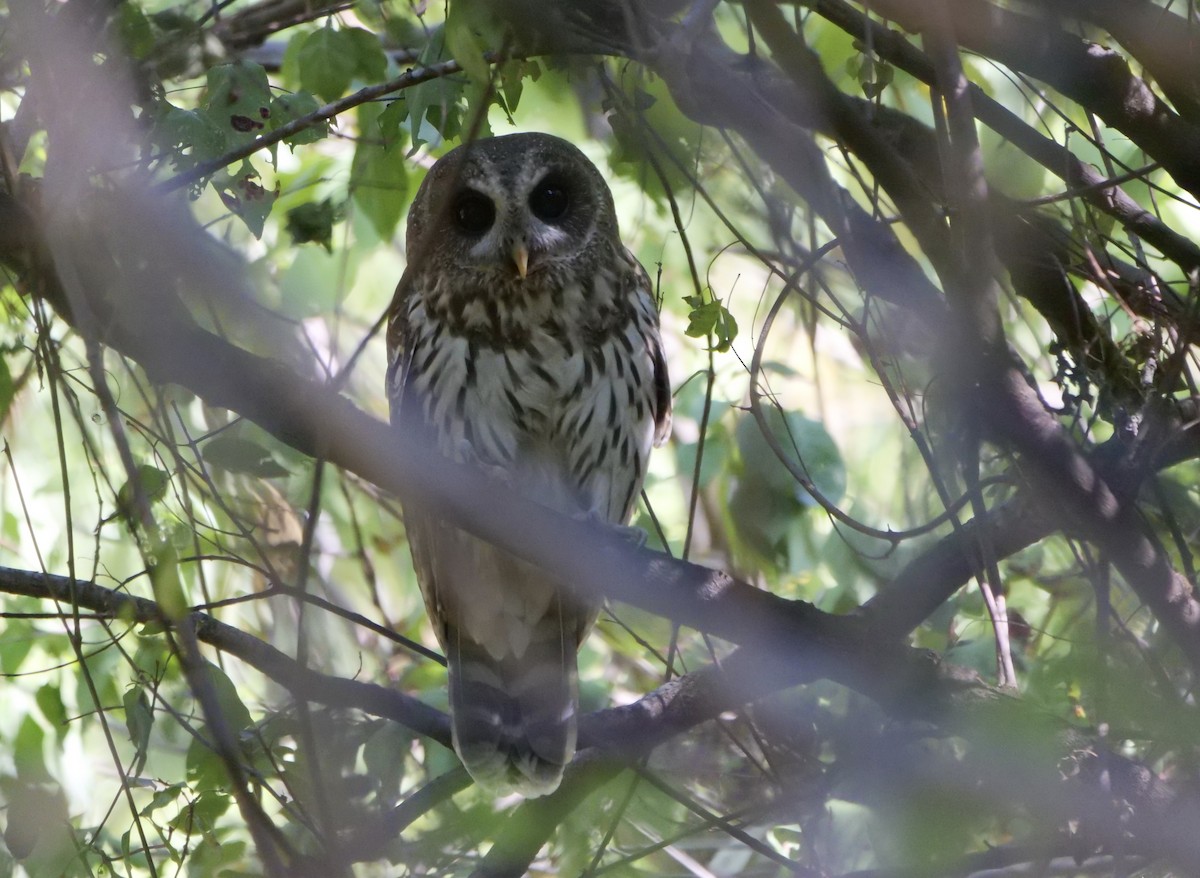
{"points": [[494, 472], [632, 534], [464, 453], [628, 532]]}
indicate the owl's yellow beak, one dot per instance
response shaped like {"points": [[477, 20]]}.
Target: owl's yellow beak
{"points": [[520, 258]]}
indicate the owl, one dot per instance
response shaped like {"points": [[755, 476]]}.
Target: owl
{"points": [[522, 339]]}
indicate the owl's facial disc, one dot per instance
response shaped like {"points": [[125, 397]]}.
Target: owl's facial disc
{"points": [[517, 226]]}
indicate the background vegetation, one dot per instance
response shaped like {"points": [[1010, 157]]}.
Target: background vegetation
{"points": [[919, 593]]}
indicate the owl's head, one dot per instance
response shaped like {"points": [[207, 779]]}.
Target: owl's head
{"points": [[510, 207]]}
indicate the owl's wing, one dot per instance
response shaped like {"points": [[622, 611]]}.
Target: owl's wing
{"points": [[406, 408], [662, 395], [661, 391], [399, 348]]}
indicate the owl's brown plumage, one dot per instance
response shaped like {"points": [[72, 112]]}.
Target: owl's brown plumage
{"points": [[523, 338]]}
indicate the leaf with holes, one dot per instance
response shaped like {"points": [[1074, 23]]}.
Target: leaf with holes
{"points": [[238, 102], [247, 198]]}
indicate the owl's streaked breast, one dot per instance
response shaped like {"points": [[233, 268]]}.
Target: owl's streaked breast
{"points": [[562, 402]]}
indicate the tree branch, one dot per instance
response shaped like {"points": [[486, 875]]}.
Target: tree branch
{"points": [[260, 655], [905, 681], [323, 114], [1095, 77], [701, 74], [1053, 156]]}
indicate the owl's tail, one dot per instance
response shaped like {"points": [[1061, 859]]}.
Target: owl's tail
{"points": [[514, 718]]}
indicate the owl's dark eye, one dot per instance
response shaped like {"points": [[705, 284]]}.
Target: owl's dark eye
{"points": [[474, 212], [549, 199]]}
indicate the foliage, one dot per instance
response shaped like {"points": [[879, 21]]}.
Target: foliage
{"points": [[928, 290]]}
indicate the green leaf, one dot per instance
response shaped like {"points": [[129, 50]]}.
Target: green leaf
{"points": [[152, 656], [176, 130], [201, 814], [15, 645], [165, 581], [645, 106], [380, 757], [210, 807], [166, 796], [711, 319], [153, 483], [28, 751], [370, 61], [805, 442], [289, 107], [238, 101], [246, 198], [10, 526], [885, 74], [228, 701], [512, 81], [390, 123], [205, 770], [327, 61], [139, 720], [134, 30], [50, 703], [874, 76], [37, 819], [313, 223], [236, 454], [211, 857], [717, 449], [289, 68], [434, 107], [204, 767], [764, 519], [471, 30], [178, 41], [378, 176], [8, 389]]}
